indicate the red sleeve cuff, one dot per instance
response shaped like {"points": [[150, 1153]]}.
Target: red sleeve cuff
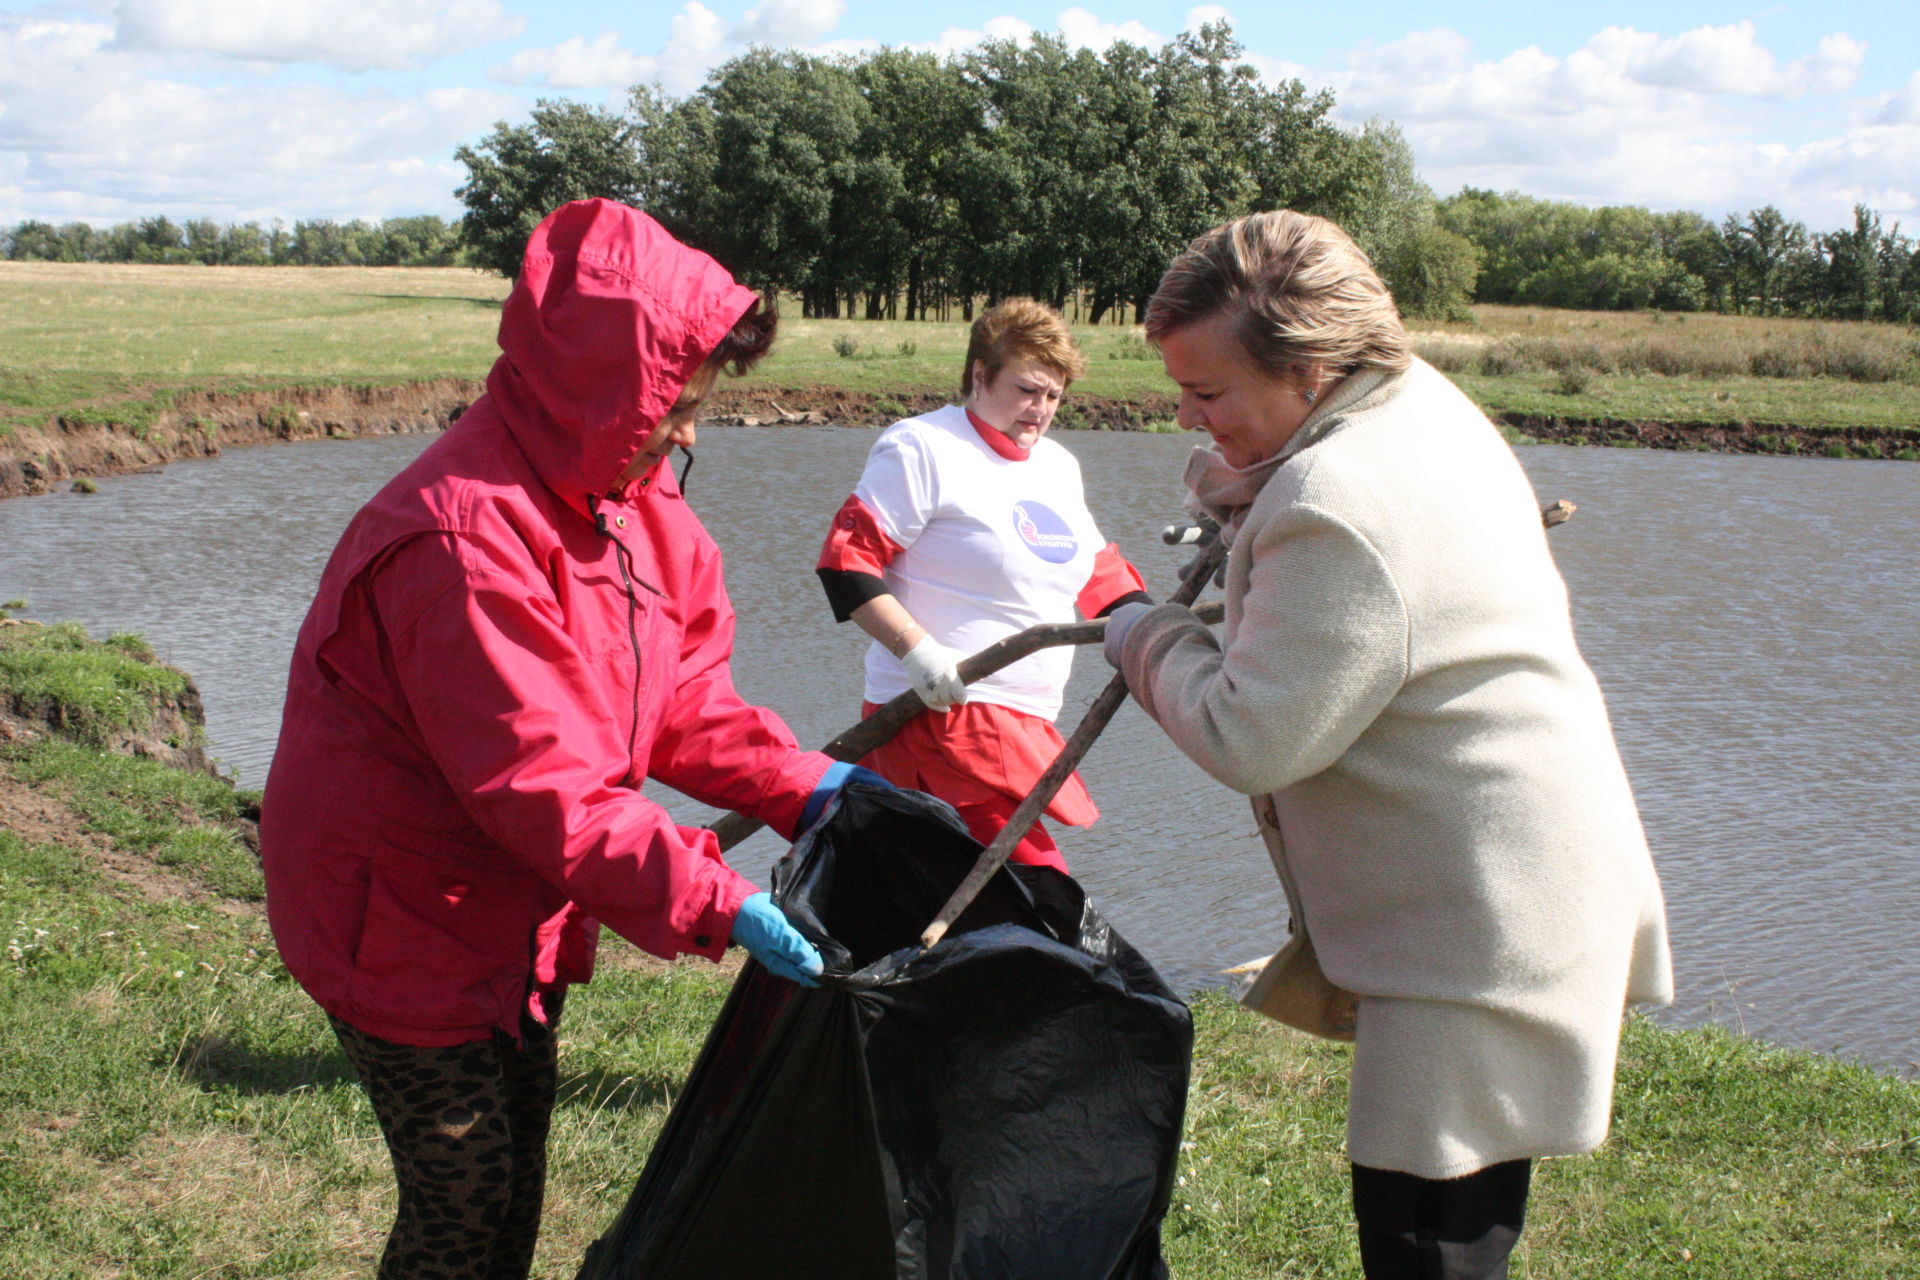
{"points": [[1111, 579], [856, 542]]}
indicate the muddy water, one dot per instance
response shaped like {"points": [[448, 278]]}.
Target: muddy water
{"points": [[1755, 621]]}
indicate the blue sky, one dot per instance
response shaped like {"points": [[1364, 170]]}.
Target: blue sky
{"points": [[260, 109]]}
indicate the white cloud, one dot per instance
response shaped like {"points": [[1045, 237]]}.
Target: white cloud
{"points": [[106, 135], [960, 39], [1082, 30], [698, 39], [1728, 60], [1688, 121], [780, 23], [354, 35], [576, 64], [1200, 15], [1901, 107]]}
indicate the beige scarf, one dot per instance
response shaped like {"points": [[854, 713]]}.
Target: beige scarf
{"points": [[1223, 492]]}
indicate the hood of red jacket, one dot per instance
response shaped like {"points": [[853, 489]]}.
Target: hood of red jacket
{"points": [[609, 319]]}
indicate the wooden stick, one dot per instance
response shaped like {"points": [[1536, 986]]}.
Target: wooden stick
{"points": [[995, 855], [878, 729]]}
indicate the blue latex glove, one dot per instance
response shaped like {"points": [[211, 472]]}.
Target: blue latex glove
{"points": [[1119, 622], [838, 775], [762, 929]]}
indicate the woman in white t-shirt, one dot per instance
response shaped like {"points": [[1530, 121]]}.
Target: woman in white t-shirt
{"points": [[969, 525]]}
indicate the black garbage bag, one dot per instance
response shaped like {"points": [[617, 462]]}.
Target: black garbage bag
{"points": [[1005, 1106]]}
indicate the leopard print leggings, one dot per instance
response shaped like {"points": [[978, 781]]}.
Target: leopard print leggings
{"points": [[467, 1128]]}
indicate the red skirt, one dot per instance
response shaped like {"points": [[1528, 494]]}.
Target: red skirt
{"points": [[983, 759]]}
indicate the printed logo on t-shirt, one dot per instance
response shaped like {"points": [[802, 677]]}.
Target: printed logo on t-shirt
{"points": [[1045, 533]]}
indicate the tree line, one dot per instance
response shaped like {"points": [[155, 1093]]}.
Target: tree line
{"points": [[1554, 254], [902, 182], [909, 183], [424, 241]]}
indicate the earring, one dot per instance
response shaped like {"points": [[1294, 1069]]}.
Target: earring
{"points": [[1309, 394]]}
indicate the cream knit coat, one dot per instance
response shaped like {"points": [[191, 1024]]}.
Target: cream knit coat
{"points": [[1432, 767]]}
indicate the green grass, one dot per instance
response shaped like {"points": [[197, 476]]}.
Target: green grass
{"points": [[1728, 1159], [172, 1105], [1120, 365], [114, 343], [59, 674], [1654, 367], [117, 343], [1807, 403], [179, 819], [110, 343]]}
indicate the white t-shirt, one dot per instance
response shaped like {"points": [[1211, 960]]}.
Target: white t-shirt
{"points": [[990, 546]]}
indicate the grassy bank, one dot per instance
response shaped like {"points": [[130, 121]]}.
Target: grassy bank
{"points": [[121, 343], [117, 343], [171, 1105]]}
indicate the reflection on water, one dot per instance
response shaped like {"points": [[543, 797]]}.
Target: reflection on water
{"points": [[1754, 621]]}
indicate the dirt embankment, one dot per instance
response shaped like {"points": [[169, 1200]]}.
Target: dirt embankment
{"points": [[53, 456], [70, 448], [1715, 437], [67, 448], [173, 732]]}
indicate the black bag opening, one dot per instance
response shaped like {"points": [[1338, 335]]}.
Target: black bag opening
{"points": [[1004, 1106]]}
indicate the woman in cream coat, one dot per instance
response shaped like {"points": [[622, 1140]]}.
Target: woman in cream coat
{"points": [[1397, 687]]}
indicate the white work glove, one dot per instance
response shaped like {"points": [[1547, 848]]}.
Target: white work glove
{"points": [[934, 671]]}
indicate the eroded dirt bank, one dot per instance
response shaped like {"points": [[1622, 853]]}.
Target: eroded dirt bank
{"points": [[1716, 437], [38, 810], [53, 456]]}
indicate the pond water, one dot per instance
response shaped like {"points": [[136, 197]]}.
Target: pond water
{"points": [[1755, 622]]}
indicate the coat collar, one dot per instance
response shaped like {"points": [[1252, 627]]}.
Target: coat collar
{"points": [[1224, 492]]}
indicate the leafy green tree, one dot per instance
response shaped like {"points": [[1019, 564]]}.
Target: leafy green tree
{"points": [[1702, 276], [922, 114], [1431, 271], [243, 244], [520, 173], [1764, 248], [424, 241], [1605, 281], [317, 242], [1850, 281], [1902, 265], [1553, 253], [1388, 210], [769, 166], [203, 241], [1029, 179], [156, 240], [32, 241]]}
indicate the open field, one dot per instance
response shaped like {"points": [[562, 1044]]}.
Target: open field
{"points": [[111, 343], [123, 345], [171, 1105]]}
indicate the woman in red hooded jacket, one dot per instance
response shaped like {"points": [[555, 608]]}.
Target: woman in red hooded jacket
{"points": [[513, 636]]}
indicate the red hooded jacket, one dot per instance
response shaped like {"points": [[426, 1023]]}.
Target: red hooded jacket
{"points": [[456, 796]]}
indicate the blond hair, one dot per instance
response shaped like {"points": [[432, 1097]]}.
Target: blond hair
{"points": [[1297, 290], [1021, 329]]}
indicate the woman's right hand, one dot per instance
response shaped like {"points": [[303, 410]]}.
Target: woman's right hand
{"points": [[934, 671]]}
